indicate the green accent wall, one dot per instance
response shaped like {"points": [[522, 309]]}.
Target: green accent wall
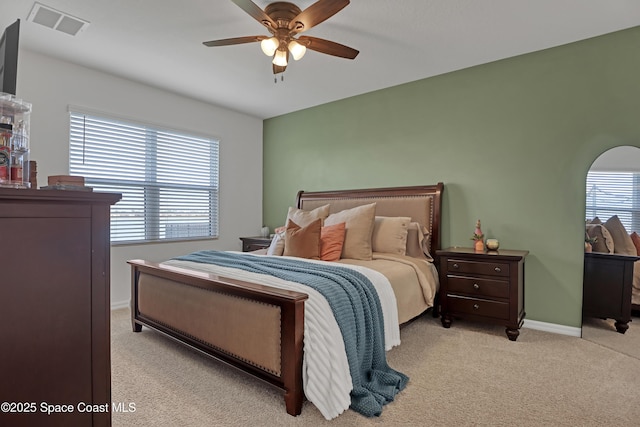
{"points": [[512, 141]]}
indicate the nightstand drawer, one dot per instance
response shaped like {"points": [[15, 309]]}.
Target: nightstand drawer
{"points": [[477, 306], [250, 247], [478, 287], [250, 244], [477, 267]]}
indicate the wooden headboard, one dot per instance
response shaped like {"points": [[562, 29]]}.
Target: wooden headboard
{"points": [[422, 203]]}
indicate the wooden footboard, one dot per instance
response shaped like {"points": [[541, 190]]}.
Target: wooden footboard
{"points": [[255, 328]]}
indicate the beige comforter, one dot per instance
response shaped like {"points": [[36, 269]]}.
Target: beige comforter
{"points": [[414, 282]]}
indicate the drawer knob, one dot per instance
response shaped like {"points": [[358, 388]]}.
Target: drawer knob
{"points": [[497, 270], [476, 306], [476, 286], [456, 266]]}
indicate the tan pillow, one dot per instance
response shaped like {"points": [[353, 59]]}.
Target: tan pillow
{"points": [[303, 242], [604, 242], [303, 218], [622, 243], [390, 234], [359, 227], [418, 242]]}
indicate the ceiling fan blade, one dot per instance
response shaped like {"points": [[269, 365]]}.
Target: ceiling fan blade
{"points": [[258, 14], [328, 47], [235, 40], [316, 13]]}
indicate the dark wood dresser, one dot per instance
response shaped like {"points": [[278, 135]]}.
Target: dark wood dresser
{"points": [[607, 287], [254, 243], [483, 286], [55, 308]]}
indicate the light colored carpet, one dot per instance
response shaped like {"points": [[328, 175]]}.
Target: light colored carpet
{"points": [[468, 375], [603, 332]]}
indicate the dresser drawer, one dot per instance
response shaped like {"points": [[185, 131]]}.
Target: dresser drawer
{"points": [[478, 287], [478, 267], [478, 306]]}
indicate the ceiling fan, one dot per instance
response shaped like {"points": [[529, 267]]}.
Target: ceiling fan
{"points": [[285, 21]]}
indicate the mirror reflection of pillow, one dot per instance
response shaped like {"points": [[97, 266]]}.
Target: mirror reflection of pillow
{"points": [[635, 238], [604, 241], [303, 242], [622, 243]]}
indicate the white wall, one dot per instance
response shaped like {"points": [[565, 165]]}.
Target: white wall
{"points": [[52, 85], [618, 159]]}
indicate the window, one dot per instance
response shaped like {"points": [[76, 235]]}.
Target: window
{"points": [[168, 179], [614, 193]]}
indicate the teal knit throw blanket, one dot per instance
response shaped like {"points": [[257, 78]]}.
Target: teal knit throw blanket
{"points": [[356, 308]]}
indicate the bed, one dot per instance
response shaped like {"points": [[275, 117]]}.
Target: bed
{"points": [[611, 280], [261, 324]]}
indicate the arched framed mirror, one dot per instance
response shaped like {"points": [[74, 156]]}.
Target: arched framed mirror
{"points": [[612, 215]]}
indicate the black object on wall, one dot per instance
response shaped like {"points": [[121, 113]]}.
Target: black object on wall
{"points": [[9, 58]]}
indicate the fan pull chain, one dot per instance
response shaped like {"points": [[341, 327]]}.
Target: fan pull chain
{"points": [[275, 79]]}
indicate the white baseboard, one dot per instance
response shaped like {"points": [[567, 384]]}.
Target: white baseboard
{"points": [[120, 304], [552, 327]]}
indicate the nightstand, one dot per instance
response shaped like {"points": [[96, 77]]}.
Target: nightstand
{"points": [[607, 287], [254, 243], [483, 286]]}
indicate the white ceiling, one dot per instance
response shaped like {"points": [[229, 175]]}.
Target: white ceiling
{"points": [[159, 42]]}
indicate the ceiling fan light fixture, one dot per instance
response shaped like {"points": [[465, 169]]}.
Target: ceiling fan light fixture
{"points": [[285, 21], [270, 45], [297, 50], [280, 58]]}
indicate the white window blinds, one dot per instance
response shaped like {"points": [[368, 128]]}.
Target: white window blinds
{"points": [[614, 193], [168, 180]]}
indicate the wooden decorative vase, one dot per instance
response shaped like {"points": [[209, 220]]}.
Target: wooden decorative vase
{"points": [[478, 246]]}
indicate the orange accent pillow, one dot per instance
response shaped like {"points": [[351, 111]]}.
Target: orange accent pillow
{"points": [[635, 238], [303, 242], [331, 241]]}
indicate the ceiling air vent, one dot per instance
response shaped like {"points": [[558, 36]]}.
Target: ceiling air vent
{"points": [[57, 20]]}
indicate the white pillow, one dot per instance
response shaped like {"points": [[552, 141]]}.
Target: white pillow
{"points": [[277, 244]]}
